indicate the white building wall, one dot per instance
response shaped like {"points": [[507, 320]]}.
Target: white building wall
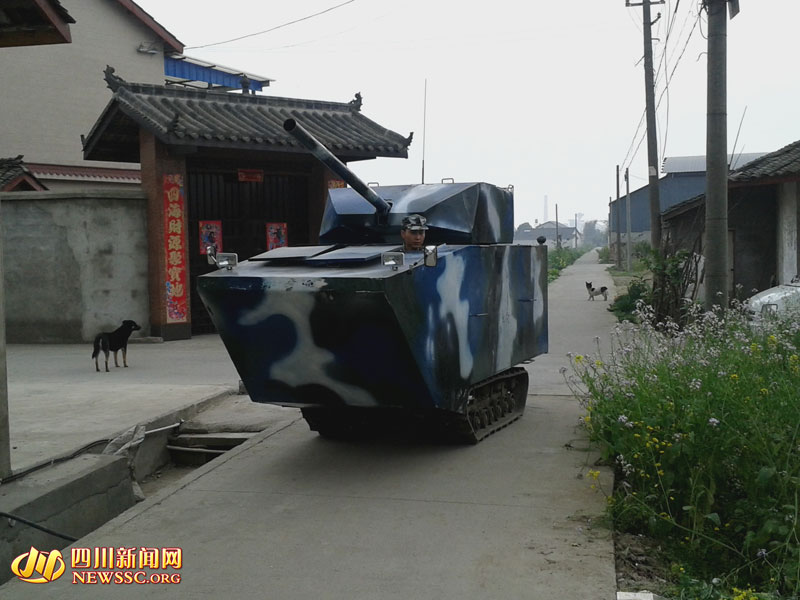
{"points": [[54, 93], [787, 232]]}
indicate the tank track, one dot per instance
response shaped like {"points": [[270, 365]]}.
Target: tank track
{"points": [[492, 404]]}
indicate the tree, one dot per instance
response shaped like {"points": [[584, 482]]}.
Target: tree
{"points": [[595, 233]]}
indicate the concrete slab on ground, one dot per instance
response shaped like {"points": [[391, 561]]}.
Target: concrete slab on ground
{"points": [[58, 402]]}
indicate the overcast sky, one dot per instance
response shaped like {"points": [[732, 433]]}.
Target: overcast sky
{"points": [[547, 96]]}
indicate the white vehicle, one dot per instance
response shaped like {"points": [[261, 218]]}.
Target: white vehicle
{"points": [[778, 299]]}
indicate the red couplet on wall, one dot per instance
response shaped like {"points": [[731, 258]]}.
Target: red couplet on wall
{"points": [[175, 250]]}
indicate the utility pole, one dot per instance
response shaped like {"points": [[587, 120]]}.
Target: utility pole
{"points": [[576, 230], [619, 227], [716, 247], [558, 237], [628, 244], [650, 111], [5, 434], [424, 125]]}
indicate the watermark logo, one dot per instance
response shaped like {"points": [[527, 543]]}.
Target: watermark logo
{"points": [[39, 567], [103, 565]]}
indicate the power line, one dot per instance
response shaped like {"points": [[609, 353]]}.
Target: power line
{"points": [[668, 79], [241, 37]]}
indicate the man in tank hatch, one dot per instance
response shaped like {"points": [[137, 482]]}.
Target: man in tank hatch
{"points": [[413, 233]]}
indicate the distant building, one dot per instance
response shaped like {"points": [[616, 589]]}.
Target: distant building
{"points": [[685, 178], [569, 237], [763, 216]]}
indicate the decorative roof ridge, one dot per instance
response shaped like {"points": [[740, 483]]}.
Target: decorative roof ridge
{"points": [[115, 83]]}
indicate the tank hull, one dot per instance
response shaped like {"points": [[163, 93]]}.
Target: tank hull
{"points": [[329, 331]]}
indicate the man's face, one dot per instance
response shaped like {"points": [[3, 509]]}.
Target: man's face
{"points": [[412, 240]]}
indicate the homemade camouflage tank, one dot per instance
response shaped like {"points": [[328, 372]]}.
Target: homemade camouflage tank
{"points": [[354, 331]]}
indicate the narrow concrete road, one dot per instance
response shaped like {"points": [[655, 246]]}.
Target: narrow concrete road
{"points": [[290, 515], [574, 322]]}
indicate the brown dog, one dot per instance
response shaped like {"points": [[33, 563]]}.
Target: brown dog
{"points": [[114, 341]]}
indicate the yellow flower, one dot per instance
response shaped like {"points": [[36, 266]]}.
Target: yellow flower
{"points": [[734, 377], [764, 391], [587, 419], [579, 358], [598, 363], [794, 358], [594, 474]]}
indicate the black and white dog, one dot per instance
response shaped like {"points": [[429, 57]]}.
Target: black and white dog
{"points": [[114, 341], [603, 291]]}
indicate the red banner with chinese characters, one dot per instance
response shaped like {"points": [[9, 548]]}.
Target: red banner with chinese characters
{"points": [[251, 175], [175, 250], [277, 235]]}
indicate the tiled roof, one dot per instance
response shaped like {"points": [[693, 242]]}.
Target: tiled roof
{"points": [[204, 118], [96, 174], [14, 174], [34, 22], [779, 164]]}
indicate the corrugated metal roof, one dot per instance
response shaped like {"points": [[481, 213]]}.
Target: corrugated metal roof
{"points": [[697, 164], [193, 72], [781, 163], [206, 118]]}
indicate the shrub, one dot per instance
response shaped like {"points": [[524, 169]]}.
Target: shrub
{"points": [[624, 305], [702, 425], [559, 259]]}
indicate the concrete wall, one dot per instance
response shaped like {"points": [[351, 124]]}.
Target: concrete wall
{"points": [[72, 498], [52, 94], [787, 232], [75, 264]]}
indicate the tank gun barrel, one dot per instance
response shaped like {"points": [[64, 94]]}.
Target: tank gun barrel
{"points": [[326, 157]]}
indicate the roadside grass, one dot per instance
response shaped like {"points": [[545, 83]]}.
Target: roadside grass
{"points": [[636, 284], [560, 258], [702, 426]]}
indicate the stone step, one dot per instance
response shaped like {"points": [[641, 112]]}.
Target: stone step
{"points": [[222, 440]]}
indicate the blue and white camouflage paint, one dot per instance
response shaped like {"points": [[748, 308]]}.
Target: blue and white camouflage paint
{"points": [[332, 326]]}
